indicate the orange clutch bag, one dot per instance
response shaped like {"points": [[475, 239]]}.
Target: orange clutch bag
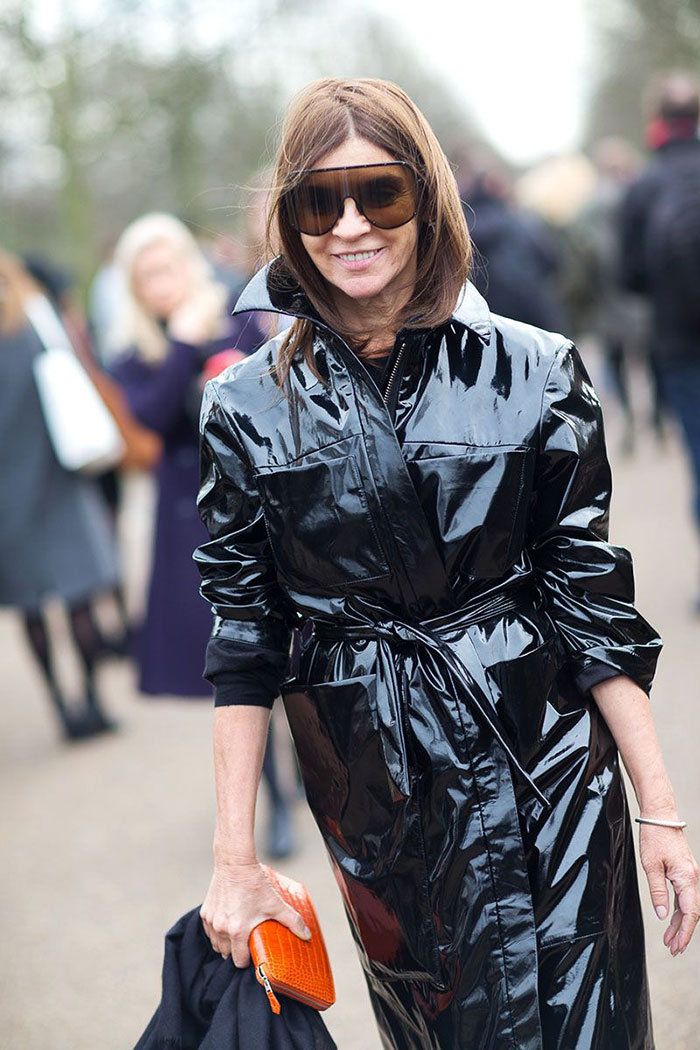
{"points": [[286, 964]]}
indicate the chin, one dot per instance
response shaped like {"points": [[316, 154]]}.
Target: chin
{"points": [[363, 286]]}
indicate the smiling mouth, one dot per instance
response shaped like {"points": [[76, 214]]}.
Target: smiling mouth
{"points": [[358, 256]]}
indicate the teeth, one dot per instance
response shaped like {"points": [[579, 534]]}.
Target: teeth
{"points": [[351, 256]]}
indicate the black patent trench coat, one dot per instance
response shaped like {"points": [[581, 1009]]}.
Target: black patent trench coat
{"points": [[449, 563]]}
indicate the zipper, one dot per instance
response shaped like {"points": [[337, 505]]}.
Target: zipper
{"points": [[309, 1000], [264, 981], [321, 324], [394, 372]]}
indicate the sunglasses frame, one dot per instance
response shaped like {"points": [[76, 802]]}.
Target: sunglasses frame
{"points": [[341, 204]]}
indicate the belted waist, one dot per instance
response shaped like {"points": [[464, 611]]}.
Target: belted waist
{"points": [[470, 682], [473, 613]]}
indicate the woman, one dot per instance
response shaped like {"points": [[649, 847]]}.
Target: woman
{"points": [[179, 332], [55, 538], [173, 322], [471, 659]]}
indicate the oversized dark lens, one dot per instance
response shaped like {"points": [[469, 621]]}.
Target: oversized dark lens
{"points": [[386, 194], [313, 207], [389, 200]]}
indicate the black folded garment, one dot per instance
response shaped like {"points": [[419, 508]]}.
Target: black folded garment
{"points": [[209, 1004]]}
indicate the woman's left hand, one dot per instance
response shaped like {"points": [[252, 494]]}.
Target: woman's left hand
{"points": [[665, 855]]}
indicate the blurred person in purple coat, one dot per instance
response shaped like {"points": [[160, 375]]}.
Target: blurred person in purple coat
{"points": [[174, 320], [175, 331]]}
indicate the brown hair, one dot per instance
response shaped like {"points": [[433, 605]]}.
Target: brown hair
{"points": [[17, 287], [323, 116]]}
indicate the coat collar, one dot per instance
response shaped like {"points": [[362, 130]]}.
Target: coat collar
{"points": [[273, 289]]}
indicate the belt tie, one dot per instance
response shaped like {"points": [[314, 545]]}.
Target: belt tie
{"points": [[428, 634]]}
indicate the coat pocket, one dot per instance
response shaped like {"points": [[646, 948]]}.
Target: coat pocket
{"points": [[321, 528], [476, 501], [371, 829]]}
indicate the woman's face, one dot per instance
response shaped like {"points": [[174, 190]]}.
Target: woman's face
{"points": [[161, 278], [390, 264]]}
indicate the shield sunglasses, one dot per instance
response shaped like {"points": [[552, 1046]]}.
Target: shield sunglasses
{"points": [[388, 195]]}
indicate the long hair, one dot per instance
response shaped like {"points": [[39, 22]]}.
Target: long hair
{"points": [[16, 286], [323, 116], [135, 327]]}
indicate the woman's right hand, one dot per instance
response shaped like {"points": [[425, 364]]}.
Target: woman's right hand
{"points": [[239, 897]]}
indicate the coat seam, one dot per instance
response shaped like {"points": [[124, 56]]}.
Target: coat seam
{"points": [[505, 446], [516, 510], [499, 920], [559, 352], [368, 510], [425, 889], [601, 931], [269, 468], [406, 574]]}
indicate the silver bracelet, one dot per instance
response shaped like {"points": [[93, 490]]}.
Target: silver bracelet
{"points": [[662, 823]]}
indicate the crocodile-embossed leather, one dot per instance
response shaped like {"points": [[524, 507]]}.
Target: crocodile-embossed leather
{"points": [[297, 968]]}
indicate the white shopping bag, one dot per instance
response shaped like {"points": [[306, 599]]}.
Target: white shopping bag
{"points": [[82, 430]]}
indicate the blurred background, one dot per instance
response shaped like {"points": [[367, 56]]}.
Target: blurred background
{"points": [[112, 110]]}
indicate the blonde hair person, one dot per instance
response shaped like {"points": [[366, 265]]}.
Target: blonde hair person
{"points": [[166, 279], [428, 506], [175, 329]]}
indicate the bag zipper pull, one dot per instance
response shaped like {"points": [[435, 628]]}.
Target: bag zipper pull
{"points": [[262, 978]]}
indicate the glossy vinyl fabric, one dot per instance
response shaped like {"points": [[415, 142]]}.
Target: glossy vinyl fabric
{"points": [[449, 564]]}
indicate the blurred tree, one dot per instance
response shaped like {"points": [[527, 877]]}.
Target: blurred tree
{"points": [[637, 39], [114, 108]]}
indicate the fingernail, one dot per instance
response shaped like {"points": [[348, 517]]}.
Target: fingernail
{"points": [[307, 933], [661, 911]]}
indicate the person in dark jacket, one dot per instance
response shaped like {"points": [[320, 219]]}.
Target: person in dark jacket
{"points": [[518, 260], [421, 488], [618, 319], [55, 537], [660, 254]]}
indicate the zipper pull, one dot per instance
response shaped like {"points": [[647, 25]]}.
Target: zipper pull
{"points": [[263, 979]]}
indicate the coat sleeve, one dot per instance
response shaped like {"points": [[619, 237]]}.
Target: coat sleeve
{"points": [[588, 582], [248, 651]]}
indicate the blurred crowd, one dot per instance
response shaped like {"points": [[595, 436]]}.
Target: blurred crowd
{"points": [[603, 247]]}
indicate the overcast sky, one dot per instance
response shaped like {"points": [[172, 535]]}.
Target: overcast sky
{"points": [[523, 68]]}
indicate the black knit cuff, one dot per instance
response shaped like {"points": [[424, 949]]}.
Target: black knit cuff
{"points": [[593, 673]]}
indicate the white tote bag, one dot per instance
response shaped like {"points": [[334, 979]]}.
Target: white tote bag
{"points": [[81, 428]]}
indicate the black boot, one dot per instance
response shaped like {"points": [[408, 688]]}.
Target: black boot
{"points": [[94, 714]]}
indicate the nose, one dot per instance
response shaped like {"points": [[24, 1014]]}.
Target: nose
{"points": [[352, 222]]}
